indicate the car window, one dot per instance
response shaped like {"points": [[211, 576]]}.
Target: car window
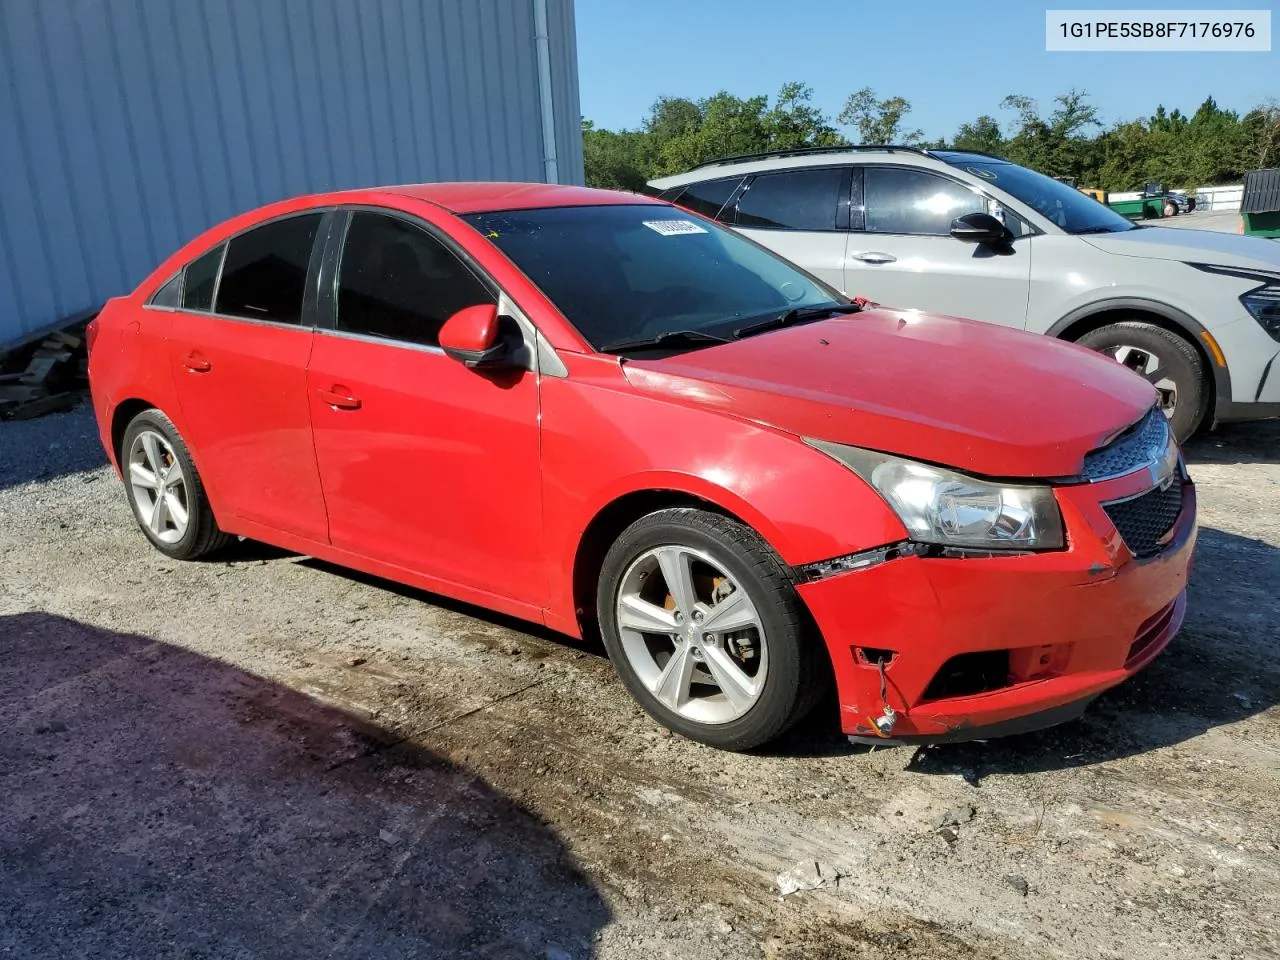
{"points": [[397, 281], [266, 270], [199, 278], [641, 270], [795, 200], [169, 295], [1073, 211], [709, 197], [901, 200]]}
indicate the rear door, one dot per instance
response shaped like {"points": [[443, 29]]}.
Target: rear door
{"points": [[238, 351], [426, 464], [801, 214], [901, 252]]}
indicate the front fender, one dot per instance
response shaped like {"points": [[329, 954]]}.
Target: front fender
{"points": [[603, 440]]}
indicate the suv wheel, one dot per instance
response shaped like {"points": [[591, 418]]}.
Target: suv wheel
{"points": [[703, 625], [1170, 362]]}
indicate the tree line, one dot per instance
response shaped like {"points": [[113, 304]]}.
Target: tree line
{"points": [[1210, 146]]}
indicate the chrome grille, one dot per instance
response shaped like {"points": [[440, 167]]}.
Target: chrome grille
{"points": [[1143, 443], [1144, 520]]}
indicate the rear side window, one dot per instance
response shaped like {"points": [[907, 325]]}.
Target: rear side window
{"points": [[266, 270], [795, 200], [398, 282], [708, 198], [900, 200], [200, 276], [170, 295]]}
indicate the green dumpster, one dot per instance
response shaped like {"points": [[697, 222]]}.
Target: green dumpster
{"points": [[1149, 206], [1260, 203]]}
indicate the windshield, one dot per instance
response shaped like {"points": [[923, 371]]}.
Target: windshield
{"points": [[638, 271], [1070, 209]]}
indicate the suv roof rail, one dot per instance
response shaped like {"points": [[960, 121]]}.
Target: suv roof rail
{"points": [[807, 151]]}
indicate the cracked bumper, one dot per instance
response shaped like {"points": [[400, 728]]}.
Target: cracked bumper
{"points": [[1075, 623]]}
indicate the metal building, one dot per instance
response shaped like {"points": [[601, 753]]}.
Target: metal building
{"points": [[128, 126]]}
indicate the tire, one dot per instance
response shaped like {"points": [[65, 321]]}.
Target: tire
{"points": [[150, 441], [717, 550], [1170, 208], [1150, 350]]}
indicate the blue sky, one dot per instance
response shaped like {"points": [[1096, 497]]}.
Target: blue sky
{"points": [[952, 60]]}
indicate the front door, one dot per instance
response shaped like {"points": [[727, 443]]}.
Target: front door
{"points": [[238, 349], [425, 463], [905, 255]]}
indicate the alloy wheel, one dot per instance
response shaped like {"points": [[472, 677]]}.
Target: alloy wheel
{"points": [[1148, 365], [692, 634], [158, 486]]}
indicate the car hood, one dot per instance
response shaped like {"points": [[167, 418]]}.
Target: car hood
{"points": [[980, 398], [1191, 246]]}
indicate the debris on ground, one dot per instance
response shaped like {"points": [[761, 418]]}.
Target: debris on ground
{"points": [[44, 377], [805, 875], [954, 817], [1018, 882]]}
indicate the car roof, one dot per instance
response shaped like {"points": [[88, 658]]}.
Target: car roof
{"points": [[485, 197], [823, 156]]}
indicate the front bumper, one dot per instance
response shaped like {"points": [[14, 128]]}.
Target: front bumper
{"points": [[1071, 624]]}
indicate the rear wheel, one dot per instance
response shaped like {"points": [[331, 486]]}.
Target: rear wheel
{"points": [[165, 491], [1168, 361], [703, 625]]}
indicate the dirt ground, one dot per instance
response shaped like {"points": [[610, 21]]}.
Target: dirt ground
{"points": [[270, 757]]}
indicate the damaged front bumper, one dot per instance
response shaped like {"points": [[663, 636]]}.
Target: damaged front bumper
{"points": [[950, 648]]}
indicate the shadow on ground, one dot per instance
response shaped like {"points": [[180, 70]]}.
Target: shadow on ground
{"points": [[1223, 667], [49, 447], [160, 804], [1237, 443]]}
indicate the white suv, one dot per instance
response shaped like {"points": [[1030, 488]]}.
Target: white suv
{"points": [[1196, 312]]}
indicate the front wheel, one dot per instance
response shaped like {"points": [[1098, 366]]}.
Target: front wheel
{"points": [[703, 625], [1168, 361]]}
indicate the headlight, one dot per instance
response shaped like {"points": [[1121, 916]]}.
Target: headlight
{"points": [[941, 506], [1264, 304]]}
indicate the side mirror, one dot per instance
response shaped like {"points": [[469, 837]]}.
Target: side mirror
{"points": [[978, 228], [471, 336]]}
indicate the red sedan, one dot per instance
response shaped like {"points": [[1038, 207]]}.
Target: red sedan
{"points": [[599, 412]]}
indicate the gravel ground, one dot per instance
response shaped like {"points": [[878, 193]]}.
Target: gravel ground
{"points": [[266, 756]]}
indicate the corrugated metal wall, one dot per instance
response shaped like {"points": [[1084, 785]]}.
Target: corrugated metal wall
{"points": [[128, 126]]}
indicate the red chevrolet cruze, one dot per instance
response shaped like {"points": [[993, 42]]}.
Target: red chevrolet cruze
{"points": [[596, 411]]}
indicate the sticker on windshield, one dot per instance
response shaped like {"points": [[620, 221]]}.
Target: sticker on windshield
{"points": [[672, 228], [979, 172]]}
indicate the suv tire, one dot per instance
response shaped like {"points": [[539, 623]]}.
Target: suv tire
{"points": [[1166, 359]]}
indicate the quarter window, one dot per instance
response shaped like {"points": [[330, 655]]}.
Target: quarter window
{"points": [[900, 200], [398, 282], [266, 270], [200, 276], [170, 295], [795, 200], [708, 198]]}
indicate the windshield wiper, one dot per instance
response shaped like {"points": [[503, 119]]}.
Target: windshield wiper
{"points": [[670, 337], [796, 315], [1079, 233]]}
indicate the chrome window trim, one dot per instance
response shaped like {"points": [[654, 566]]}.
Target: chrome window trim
{"points": [[381, 341]]}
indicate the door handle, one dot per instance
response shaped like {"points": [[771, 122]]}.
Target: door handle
{"points": [[196, 363], [872, 256], [339, 398]]}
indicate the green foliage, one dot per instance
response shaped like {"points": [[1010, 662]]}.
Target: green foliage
{"points": [[679, 133], [1212, 145], [878, 121]]}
